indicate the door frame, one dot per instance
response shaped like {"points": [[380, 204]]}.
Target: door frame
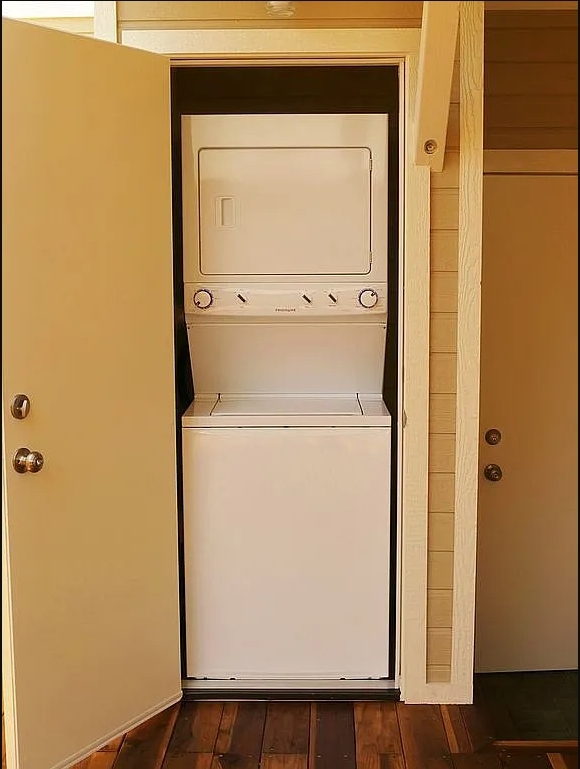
{"points": [[203, 47]]}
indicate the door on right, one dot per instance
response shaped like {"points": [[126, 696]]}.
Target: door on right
{"points": [[527, 562]]}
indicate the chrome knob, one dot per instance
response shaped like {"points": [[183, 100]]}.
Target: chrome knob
{"points": [[26, 461], [368, 297], [493, 473], [203, 299]]}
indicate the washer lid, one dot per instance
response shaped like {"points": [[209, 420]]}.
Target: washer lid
{"points": [[287, 405]]}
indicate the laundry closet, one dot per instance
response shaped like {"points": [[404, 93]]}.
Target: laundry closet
{"points": [[287, 281]]}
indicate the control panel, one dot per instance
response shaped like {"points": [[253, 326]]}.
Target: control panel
{"points": [[295, 300]]}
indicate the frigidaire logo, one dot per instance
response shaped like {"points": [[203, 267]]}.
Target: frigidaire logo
{"points": [[285, 309]]}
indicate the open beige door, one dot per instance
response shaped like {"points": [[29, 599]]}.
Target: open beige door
{"points": [[90, 597], [527, 566]]}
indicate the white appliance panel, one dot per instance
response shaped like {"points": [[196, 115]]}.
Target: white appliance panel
{"points": [[285, 357], [285, 211], [287, 411], [286, 535], [249, 216], [306, 300], [287, 405]]}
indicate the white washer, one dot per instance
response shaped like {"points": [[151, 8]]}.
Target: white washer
{"points": [[287, 538]]}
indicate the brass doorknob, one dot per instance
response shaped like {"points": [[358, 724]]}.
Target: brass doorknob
{"points": [[493, 473], [26, 461]]}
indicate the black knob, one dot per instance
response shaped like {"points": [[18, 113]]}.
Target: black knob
{"points": [[493, 473], [493, 436]]}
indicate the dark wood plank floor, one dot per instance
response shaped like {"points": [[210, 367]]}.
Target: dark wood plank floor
{"points": [[324, 735]]}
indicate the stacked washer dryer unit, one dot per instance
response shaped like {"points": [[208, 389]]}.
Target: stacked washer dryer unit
{"points": [[286, 446]]}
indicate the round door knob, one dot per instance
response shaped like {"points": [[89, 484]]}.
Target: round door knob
{"points": [[493, 436], [203, 299], [368, 297], [493, 473], [26, 461]]}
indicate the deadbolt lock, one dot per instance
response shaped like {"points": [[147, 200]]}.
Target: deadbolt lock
{"points": [[493, 436], [20, 406]]}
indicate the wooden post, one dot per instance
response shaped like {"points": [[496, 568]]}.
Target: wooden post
{"points": [[436, 58]]}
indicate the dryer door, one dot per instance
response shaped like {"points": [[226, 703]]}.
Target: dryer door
{"points": [[285, 210]]}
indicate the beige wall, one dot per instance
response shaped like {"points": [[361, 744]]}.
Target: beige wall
{"points": [[224, 15], [81, 25], [531, 80]]}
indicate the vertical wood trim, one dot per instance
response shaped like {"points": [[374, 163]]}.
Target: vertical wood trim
{"points": [[468, 346], [105, 21], [416, 215], [436, 60]]}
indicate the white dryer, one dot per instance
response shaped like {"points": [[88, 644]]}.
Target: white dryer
{"points": [[286, 446]]}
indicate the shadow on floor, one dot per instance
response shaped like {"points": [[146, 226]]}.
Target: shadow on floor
{"points": [[539, 705]]}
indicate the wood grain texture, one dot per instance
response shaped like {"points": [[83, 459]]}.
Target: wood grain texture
{"points": [[476, 761], [442, 454], [287, 728], [444, 209], [438, 674], [443, 332], [423, 737], [196, 731], [443, 371], [444, 249], [468, 335], [443, 292], [439, 646], [531, 80], [385, 735], [453, 128], [441, 530], [532, 44], [416, 403], [436, 64], [145, 746], [179, 15], [518, 761], [105, 20], [455, 730], [113, 745], [448, 178], [239, 741], [441, 493], [99, 760], [442, 415], [378, 742], [284, 761], [439, 609], [440, 570], [333, 740]]}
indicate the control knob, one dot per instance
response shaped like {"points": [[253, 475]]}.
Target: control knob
{"points": [[203, 299], [368, 297]]}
